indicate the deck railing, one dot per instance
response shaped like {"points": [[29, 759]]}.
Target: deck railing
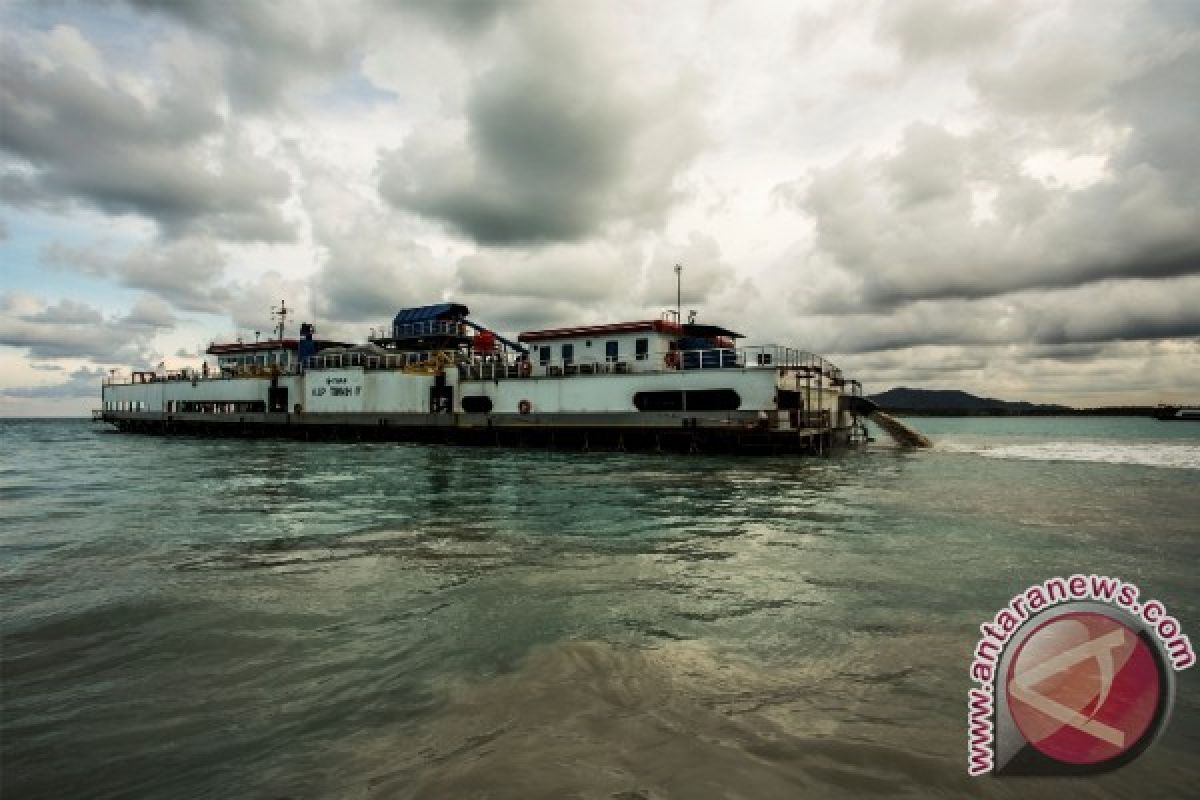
{"points": [[417, 360], [501, 367], [756, 357], [433, 327]]}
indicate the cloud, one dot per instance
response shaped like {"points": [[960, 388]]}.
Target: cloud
{"points": [[593, 281], [998, 208], [589, 274], [83, 382], [77, 128], [370, 273], [185, 272], [923, 30], [253, 302], [267, 48], [150, 312], [1128, 310], [557, 143], [459, 17], [1110, 373], [73, 330], [907, 226]]}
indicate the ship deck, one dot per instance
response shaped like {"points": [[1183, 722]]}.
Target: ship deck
{"points": [[727, 432]]}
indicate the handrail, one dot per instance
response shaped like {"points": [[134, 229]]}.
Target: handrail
{"points": [[502, 366], [434, 327]]}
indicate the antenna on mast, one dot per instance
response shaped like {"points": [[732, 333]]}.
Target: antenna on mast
{"points": [[281, 314], [679, 293]]}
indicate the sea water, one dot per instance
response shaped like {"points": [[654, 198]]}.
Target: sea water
{"points": [[185, 617]]}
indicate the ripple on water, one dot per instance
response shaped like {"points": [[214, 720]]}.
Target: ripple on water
{"points": [[285, 619]]}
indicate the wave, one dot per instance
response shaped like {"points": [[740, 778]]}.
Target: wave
{"points": [[1171, 456]]}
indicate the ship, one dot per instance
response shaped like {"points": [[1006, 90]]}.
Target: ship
{"points": [[435, 375], [1169, 412]]}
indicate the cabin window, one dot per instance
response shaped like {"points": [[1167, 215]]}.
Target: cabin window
{"points": [[568, 353], [712, 400], [477, 404], [658, 401], [692, 400], [612, 351], [641, 349], [544, 355]]}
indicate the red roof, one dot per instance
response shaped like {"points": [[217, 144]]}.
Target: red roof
{"points": [[650, 325]]}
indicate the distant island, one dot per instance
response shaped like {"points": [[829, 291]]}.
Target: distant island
{"points": [[956, 403]]}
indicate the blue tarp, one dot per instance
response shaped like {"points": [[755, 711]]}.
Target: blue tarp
{"points": [[408, 316]]}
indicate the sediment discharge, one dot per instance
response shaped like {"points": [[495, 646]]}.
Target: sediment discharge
{"points": [[900, 433]]}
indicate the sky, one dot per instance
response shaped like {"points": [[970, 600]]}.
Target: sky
{"points": [[1001, 197]]}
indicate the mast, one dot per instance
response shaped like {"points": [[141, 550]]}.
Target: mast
{"points": [[281, 314], [679, 293]]}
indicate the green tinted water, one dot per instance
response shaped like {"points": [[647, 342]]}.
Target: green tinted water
{"points": [[188, 617]]}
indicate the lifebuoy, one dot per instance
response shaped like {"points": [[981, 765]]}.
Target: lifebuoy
{"points": [[526, 369], [524, 407], [671, 359]]}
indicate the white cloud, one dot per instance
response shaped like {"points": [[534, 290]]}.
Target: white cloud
{"points": [[73, 330]]}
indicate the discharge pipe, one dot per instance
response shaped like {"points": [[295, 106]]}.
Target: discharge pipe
{"points": [[902, 434]]}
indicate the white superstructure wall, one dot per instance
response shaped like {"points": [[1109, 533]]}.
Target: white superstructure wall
{"points": [[358, 390]]}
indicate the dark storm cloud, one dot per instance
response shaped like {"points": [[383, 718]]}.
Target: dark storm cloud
{"points": [[559, 143], [68, 329], [1160, 107], [95, 139], [1058, 320], [904, 227], [1093, 374], [1125, 313], [1072, 353], [468, 17], [959, 215]]}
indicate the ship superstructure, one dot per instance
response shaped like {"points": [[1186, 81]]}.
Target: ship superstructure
{"points": [[437, 375]]}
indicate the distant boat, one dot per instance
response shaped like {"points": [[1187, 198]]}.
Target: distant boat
{"points": [[1177, 412]]}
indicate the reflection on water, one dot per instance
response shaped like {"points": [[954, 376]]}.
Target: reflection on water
{"points": [[189, 617]]}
